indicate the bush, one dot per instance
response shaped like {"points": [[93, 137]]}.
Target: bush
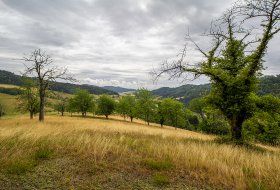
{"points": [[215, 126], [263, 127]]}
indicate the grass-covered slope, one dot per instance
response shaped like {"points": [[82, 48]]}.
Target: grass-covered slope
{"points": [[86, 153], [9, 102]]}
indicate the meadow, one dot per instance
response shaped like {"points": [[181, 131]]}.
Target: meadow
{"points": [[94, 153]]}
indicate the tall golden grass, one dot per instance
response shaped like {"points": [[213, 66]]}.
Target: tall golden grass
{"points": [[195, 157]]}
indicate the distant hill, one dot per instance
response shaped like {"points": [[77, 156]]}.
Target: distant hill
{"points": [[118, 89], [7, 77], [185, 93]]}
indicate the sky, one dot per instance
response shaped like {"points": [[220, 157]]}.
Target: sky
{"points": [[110, 42]]}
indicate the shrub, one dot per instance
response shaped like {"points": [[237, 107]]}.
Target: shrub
{"points": [[263, 127], [215, 126]]}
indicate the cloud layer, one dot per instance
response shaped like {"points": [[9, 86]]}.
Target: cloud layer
{"points": [[107, 42]]}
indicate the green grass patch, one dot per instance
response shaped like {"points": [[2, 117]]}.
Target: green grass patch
{"points": [[158, 164], [160, 180], [18, 167], [43, 153]]}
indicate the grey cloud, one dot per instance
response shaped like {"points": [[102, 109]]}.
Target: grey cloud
{"points": [[108, 41]]}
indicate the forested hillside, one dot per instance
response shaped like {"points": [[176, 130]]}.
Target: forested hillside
{"points": [[10, 78], [185, 93]]}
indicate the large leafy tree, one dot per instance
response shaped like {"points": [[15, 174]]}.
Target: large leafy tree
{"points": [[170, 111], [106, 105], [127, 106], [82, 102], [235, 60], [146, 105]]}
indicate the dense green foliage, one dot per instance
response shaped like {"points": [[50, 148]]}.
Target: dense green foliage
{"points": [[264, 126], [146, 106], [126, 107], [82, 102], [169, 112], [106, 105]]}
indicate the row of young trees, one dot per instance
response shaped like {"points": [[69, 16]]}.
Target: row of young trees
{"points": [[142, 104]]}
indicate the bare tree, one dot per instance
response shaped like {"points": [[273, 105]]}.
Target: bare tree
{"points": [[46, 74], [235, 58]]}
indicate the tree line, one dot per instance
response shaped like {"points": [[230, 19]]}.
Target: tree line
{"points": [[141, 105], [199, 115]]}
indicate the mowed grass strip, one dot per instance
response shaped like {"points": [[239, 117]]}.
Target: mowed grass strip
{"points": [[152, 156]]}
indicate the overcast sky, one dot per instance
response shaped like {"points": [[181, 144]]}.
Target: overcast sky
{"points": [[109, 42]]}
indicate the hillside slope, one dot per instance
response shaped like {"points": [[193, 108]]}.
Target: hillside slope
{"points": [[185, 93], [86, 153], [10, 78], [118, 89]]}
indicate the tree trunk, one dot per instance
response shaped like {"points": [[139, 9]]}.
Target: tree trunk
{"points": [[131, 119], [83, 114], [42, 107], [236, 128], [106, 116], [62, 113], [31, 114], [161, 122]]}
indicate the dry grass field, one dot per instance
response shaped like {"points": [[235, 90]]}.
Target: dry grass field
{"points": [[87, 153]]}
